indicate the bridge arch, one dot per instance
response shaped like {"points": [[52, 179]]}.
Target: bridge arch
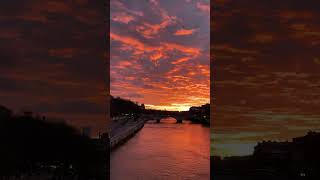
{"points": [[159, 115], [179, 119]]}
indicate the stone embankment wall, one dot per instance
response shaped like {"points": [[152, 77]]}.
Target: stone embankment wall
{"points": [[126, 133]]}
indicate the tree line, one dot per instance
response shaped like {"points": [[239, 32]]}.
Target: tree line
{"points": [[31, 145]]}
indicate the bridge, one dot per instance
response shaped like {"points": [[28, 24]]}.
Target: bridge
{"points": [[158, 115]]}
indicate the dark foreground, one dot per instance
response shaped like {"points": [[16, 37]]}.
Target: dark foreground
{"points": [[33, 148], [294, 160]]}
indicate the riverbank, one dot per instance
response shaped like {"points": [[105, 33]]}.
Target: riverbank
{"points": [[203, 121], [123, 129]]}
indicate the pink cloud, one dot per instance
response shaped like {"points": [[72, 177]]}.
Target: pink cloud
{"points": [[203, 7], [122, 18]]}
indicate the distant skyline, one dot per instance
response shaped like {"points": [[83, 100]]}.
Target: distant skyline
{"points": [[160, 52], [267, 62]]}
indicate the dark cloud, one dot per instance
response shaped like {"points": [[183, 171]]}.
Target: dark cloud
{"points": [[72, 107], [265, 58], [53, 58]]}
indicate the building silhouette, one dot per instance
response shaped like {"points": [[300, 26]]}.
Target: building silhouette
{"points": [[297, 159]]}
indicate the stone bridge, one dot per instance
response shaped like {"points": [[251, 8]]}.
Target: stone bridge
{"points": [[179, 116]]}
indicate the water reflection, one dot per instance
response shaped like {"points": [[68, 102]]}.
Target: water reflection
{"points": [[164, 151]]}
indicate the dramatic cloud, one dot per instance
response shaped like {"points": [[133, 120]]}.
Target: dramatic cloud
{"points": [[266, 72], [161, 56], [52, 60]]}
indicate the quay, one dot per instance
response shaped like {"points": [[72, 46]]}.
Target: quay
{"points": [[123, 128]]}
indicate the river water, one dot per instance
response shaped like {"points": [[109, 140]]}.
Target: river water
{"points": [[164, 151]]}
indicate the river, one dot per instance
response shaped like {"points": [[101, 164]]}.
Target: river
{"points": [[164, 151]]}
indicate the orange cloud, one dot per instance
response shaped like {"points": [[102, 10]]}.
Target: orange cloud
{"points": [[184, 32], [185, 49], [121, 7], [181, 60], [157, 52], [174, 81], [149, 31], [205, 70], [132, 42], [157, 56], [124, 64]]}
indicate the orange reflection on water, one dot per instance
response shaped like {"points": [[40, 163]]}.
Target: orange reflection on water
{"points": [[164, 151]]}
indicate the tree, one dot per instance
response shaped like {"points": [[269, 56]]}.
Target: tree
{"points": [[28, 144]]}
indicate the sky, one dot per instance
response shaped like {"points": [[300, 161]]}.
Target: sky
{"points": [[52, 60], [266, 72], [160, 52]]}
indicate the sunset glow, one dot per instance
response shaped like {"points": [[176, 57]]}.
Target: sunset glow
{"points": [[172, 107], [160, 53]]}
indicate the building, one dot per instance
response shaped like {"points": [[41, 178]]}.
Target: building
{"points": [[272, 150]]}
